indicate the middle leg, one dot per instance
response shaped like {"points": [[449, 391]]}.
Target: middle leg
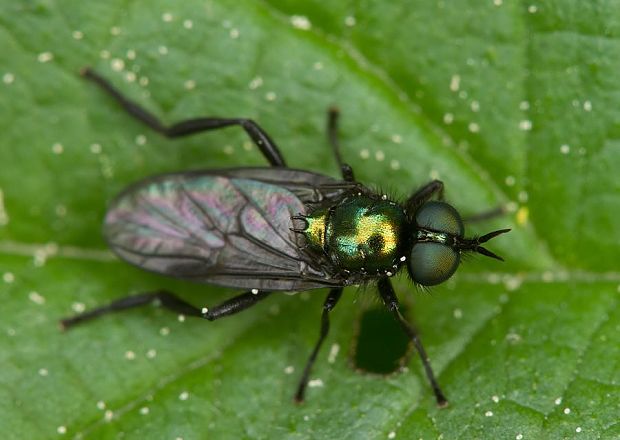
{"points": [[328, 306], [391, 302]]}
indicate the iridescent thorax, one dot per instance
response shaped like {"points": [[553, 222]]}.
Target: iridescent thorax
{"points": [[360, 234]]}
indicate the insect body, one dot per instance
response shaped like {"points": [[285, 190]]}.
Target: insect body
{"points": [[359, 234], [278, 229]]}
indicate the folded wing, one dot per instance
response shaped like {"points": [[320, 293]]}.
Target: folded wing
{"points": [[227, 227]]}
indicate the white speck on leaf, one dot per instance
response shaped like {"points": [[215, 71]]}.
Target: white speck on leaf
{"points": [[57, 148], [350, 21], [45, 57], [333, 353], [256, 83], [78, 307], [36, 298], [8, 78], [455, 82], [140, 139], [117, 64], [397, 139], [4, 216], [301, 22], [315, 383]]}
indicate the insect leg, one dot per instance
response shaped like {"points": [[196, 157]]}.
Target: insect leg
{"points": [[233, 305], [391, 302], [165, 298], [333, 115], [328, 305], [171, 302], [424, 194], [262, 140], [485, 215]]}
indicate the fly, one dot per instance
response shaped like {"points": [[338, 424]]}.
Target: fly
{"points": [[273, 229]]}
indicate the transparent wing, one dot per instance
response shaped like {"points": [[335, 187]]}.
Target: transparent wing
{"points": [[227, 227]]}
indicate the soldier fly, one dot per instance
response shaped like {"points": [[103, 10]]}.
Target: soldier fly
{"points": [[273, 229]]}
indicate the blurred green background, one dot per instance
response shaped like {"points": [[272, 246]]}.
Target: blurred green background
{"points": [[510, 103]]}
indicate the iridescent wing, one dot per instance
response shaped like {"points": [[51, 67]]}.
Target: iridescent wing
{"points": [[226, 227]]}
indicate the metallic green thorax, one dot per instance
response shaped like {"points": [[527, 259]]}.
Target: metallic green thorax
{"points": [[360, 234]]}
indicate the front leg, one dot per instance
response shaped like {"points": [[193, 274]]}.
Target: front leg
{"points": [[423, 195]]}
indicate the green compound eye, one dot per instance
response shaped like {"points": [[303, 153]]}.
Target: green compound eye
{"points": [[432, 263], [439, 216]]}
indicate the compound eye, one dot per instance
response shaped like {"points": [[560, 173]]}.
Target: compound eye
{"points": [[432, 263], [439, 216]]}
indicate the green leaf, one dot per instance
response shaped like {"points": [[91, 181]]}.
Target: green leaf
{"points": [[509, 103]]}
